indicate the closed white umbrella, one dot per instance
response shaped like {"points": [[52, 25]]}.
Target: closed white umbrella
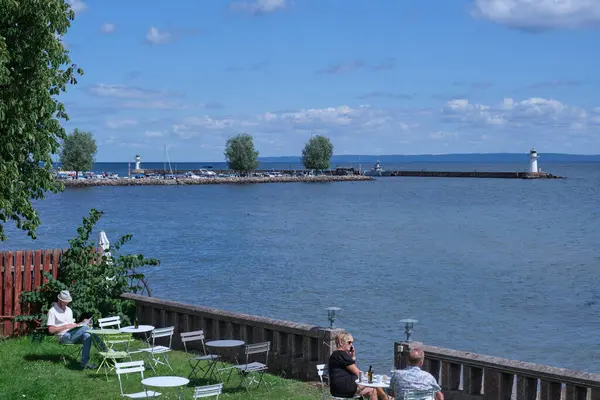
{"points": [[105, 244]]}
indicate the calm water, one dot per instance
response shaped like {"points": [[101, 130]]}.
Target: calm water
{"points": [[501, 267]]}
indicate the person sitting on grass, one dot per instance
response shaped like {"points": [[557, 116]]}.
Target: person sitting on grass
{"points": [[60, 322], [343, 372], [414, 378]]}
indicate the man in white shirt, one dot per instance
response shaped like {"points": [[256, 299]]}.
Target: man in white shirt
{"points": [[414, 378], [60, 322]]}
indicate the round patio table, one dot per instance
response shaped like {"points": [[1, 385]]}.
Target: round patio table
{"points": [[226, 345], [140, 329], [166, 382]]}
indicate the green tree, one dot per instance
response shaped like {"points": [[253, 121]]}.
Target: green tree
{"points": [[78, 151], [34, 69], [240, 153], [96, 280], [317, 153]]}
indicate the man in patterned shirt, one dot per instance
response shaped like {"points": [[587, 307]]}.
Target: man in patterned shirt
{"points": [[414, 378]]}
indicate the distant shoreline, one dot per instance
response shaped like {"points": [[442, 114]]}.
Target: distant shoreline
{"points": [[212, 181]]}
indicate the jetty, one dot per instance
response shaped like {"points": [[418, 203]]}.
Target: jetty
{"points": [[157, 181], [476, 174]]}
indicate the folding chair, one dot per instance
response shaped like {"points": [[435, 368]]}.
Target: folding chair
{"points": [[73, 350], [323, 371], [130, 368], [208, 391], [110, 322], [254, 367], [195, 358], [417, 395], [110, 355], [156, 352]]}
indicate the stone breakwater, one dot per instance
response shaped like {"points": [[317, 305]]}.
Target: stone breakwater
{"points": [[212, 181]]}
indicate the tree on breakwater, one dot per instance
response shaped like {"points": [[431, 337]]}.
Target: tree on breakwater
{"points": [[78, 151], [240, 153], [317, 153], [34, 69]]}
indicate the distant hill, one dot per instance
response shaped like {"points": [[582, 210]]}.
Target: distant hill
{"points": [[446, 158]]}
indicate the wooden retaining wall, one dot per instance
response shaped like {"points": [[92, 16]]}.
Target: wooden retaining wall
{"points": [[296, 348], [22, 271], [469, 376]]}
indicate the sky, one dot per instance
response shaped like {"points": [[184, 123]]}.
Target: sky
{"points": [[376, 77]]}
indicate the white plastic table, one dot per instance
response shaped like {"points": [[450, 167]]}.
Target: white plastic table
{"points": [[166, 382], [140, 329], [378, 382], [225, 344]]}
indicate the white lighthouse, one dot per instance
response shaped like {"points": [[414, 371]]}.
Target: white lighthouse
{"points": [[138, 161], [533, 157]]}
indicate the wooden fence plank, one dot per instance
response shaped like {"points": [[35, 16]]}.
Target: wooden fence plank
{"points": [[28, 271], [56, 262], [18, 287], [37, 269], [47, 257], [8, 292]]}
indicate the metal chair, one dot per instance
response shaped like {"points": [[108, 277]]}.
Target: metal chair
{"points": [[110, 355], [208, 391], [417, 395], [130, 368], [195, 358], [245, 370], [158, 352], [323, 371], [110, 322]]}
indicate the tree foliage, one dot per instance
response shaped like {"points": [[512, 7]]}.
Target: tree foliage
{"points": [[240, 153], [78, 151], [317, 153], [95, 280], [34, 69]]}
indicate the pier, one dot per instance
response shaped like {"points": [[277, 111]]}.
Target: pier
{"points": [[476, 174]]}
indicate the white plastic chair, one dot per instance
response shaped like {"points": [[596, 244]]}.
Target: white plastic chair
{"points": [[130, 368], [195, 358], [158, 352], [254, 367], [208, 391], [110, 321]]}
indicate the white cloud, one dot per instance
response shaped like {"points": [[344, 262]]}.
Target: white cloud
{"points": [[154, 134], [258, 7], [540, 14], [120, 123], [108, 28], [128, 92], [156, 37], [77, 5]]}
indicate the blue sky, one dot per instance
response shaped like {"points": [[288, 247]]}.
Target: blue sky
{"points": [[377, 77]]}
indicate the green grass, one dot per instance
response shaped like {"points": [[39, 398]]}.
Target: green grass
{"points": [[35, 370]]}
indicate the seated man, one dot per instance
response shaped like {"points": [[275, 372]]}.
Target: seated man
{"points": [[414, 378], [60, 321], [343, 372]]}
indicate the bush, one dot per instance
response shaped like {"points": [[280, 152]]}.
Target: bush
{"points": [[94, 278]]}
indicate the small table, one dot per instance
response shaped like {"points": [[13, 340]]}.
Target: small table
{"points": [[101, 332], [225, 344], [378, 382], [140, 329], [166, 382]]}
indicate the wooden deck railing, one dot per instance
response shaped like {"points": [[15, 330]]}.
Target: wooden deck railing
{"points": [[470, 376], [22, 271]]}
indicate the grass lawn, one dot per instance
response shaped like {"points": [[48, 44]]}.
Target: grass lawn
{"points": [[35, 370]]}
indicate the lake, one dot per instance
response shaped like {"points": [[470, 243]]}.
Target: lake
{"points": [[500, 267]]}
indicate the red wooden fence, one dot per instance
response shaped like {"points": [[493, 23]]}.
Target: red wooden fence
{"points": [[22, 271]]}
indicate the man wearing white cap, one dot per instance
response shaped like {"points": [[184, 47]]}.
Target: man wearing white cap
{"points": [[60, 322]]}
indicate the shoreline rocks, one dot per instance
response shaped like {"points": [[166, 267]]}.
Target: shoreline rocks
{"points": [[213, 181]]}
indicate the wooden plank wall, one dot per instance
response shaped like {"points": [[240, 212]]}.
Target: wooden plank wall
{"points": [[22, 271]]}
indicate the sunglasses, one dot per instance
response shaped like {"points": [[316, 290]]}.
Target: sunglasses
{"points": [[350, 342]]}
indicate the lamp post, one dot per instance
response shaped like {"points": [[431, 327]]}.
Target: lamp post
{"points": [[331, 315], [409, 324]]}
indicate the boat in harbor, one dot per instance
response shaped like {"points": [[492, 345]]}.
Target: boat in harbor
{"points": [[377, 170]]}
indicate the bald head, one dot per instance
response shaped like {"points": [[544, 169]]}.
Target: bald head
{"points": [[416, 357]]}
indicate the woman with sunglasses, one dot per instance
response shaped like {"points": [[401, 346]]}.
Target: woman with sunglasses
{"points": [[343, 372]]}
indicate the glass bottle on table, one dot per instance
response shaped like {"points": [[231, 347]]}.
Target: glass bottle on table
{"points": [[136, 323], [370, 374]]}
